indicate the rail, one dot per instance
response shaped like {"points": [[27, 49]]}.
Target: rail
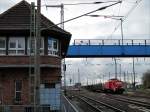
{"points": [[111, 42], [91, 105], [132, 101], [67, 106], [105, 104]]}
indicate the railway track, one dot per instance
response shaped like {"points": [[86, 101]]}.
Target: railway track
{"points": [[110, 101], [99, 106], [131, 101]]}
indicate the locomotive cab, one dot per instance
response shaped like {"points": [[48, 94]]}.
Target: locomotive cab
{"points": [[114, 86]]}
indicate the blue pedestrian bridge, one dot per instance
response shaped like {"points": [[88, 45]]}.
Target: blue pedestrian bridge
{"points": [[109, 48]]}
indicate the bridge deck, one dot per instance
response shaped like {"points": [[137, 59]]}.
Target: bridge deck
{"points": [[130, 49]]}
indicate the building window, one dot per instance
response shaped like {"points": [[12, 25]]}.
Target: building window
{"points": [[31, 44], [18, 88], [16, 46], [29, 109], [2, 46], [52, 46], [49, 85]]}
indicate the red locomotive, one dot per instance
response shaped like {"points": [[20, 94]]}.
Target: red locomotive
{"points": [[114, 86]]}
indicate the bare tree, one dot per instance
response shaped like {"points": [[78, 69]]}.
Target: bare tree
{"points": [[146, 79]]}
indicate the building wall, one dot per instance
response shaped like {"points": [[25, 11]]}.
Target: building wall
{"points": [[24, 60], [9, 75], [15, 67]]}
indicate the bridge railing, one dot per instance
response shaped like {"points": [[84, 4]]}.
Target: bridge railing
{"points": [[111, 42]]}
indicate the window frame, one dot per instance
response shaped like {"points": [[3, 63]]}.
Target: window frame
{"points": [[18, 91], [52, 49], [41, 48], [3, 49], [16, 49]]}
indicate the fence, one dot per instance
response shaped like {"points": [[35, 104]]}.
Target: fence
{"points": [[67, 106], [111, 42], [25, 108], [22, 108]]}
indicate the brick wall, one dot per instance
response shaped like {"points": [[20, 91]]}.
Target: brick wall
{"points": [[9, 75], [22, 60]]}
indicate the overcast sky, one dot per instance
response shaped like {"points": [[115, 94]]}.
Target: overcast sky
{"points": [[135, 26]]}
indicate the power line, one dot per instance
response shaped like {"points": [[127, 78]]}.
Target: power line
{"points": [[45, 2], [125, 17], [12, 1], [99, 2], [119, 9], [84, 3], [106, 16], [102, 8]]}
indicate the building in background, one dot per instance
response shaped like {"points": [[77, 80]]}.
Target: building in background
{"points": [[15, 60]]}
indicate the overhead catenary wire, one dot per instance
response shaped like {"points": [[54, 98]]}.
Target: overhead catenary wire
{"points": [[119, 10], [84, 3], [45, 2], [12, 1], [98, 2], [125, 17], [102, 8]]}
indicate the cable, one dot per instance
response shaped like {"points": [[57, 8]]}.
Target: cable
{"points": [[45, 2], [106, 16], [102, 8], [119, 9], [12, 1], [91, 3], [125, 17], [85, 3]]}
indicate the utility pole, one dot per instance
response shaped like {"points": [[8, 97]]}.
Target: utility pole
{"points": [[115, 68], [133, 76], [32, 61], [62, 26], [87, 81], [128, 82], [64, 69], [120, 71], [64, 62], [103, 78], [115, 18], [128, 77], [121, 20], [62, 15], [78, 76], [109, 75], [37, 56], [61, 6], [124, 77], [73, 79]]}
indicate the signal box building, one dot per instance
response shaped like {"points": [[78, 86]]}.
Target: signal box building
{"points": [[15, 60]]}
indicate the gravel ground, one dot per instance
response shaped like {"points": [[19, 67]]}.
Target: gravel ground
{"points": [[122, 105], [139, 93], [142, 99], [79, 105]]}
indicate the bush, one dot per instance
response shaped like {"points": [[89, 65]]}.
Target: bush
{"points": [[146, 79]]}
